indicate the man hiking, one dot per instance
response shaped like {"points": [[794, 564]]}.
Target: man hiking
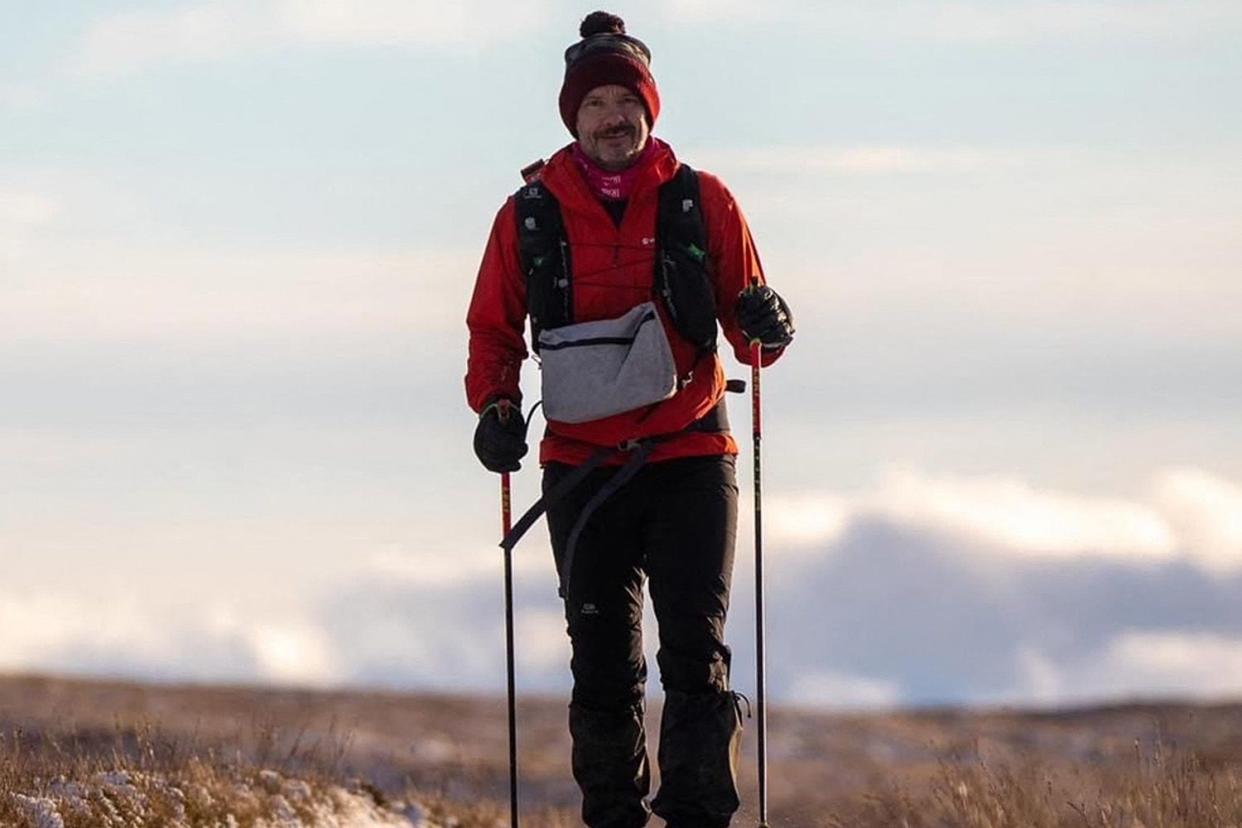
{"points": [[624, 260]]}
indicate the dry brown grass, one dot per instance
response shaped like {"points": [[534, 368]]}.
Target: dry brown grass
{"points": [[139, 775], [233, 756], [259, 753], [1161, 789]]}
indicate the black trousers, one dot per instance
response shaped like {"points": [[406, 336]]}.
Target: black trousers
{"points": [[675, 524]]}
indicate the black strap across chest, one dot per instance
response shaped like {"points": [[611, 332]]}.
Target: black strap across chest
{"points": [[682, 279]]}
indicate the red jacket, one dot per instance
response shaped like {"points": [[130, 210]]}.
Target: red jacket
{"points": [[614, 270]]}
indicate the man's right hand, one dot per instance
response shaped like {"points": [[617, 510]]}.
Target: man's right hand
{"points": [[500, 437]]}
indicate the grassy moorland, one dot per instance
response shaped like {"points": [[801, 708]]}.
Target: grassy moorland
{"points": [[85, 753]]}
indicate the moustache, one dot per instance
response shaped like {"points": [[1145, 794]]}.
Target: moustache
{"points": [[616, 132]]}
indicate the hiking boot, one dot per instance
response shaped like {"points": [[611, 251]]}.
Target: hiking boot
{"points": [[609, 760], [700, 747]]}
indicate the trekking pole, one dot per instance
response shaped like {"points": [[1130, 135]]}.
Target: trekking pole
{"points": [[756, 355], [506, 515]]}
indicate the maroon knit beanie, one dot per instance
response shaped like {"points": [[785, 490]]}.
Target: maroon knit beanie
{"points": [[606, 55]]}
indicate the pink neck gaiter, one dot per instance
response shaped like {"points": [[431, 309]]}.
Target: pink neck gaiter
{"points": [[614, 186]]}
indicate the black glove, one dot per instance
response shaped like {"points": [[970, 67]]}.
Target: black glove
{"points": [[500, 437], [763, 315]]}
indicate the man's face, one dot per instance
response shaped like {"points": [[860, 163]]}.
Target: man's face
{"points": [[612, 126]]}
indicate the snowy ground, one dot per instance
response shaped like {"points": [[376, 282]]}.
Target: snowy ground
{"points": [[351, 757], [125, 798]]}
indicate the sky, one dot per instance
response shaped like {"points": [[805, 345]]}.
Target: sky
{"points": [[1002, 461]]}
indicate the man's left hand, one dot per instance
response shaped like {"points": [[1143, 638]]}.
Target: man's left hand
{"points": [[764, 316]]}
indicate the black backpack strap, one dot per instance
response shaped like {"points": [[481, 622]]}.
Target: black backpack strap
{"points": [[558, 491], [682, 277], [544, 254], [715, 421], [638, 456]]}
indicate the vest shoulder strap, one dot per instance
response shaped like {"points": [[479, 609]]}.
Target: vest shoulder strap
{"points": [[544, 254], [682, 280], [682, 276], [531, 171]]}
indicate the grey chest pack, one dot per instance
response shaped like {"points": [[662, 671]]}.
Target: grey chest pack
{"points": [[597, 368]]}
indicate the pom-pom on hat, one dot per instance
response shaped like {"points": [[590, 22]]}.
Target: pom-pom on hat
{"points": [[606, 55]]}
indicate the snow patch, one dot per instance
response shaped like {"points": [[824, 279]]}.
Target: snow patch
{"points": [[120, 797], [40, 810]]}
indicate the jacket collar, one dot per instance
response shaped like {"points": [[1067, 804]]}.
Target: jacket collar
{"points": [[565, 180]]}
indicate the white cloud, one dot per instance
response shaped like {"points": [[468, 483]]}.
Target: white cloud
{"points": [[828, 689], [463, 557], [75, 292], [806, 521], [415, 637], [22, 95], [701, 12], [204, 31], [1191, 515], [1045, 19], [1013, 515], [398, 566], [1199, 664], [1143, 663], [402, 619], [473, 23], [969, 21], [36, 626], [133, 40], [1207, 514], [293, 654], [1040, 679], [125, 631], [207, 30], [284, 651], [21, 213], [864, 160], [541, 643], [25, 209]]}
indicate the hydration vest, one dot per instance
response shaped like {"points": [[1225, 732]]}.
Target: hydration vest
{"points": [[682, 281]]}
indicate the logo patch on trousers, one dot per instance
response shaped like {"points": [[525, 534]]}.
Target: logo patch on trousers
{"points": [[590, 609]]}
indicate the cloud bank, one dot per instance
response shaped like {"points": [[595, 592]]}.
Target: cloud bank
{"points": [[968, 21], [920, 590], [95, 292], [134, 41], [873, 160], [1187, 515]]}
